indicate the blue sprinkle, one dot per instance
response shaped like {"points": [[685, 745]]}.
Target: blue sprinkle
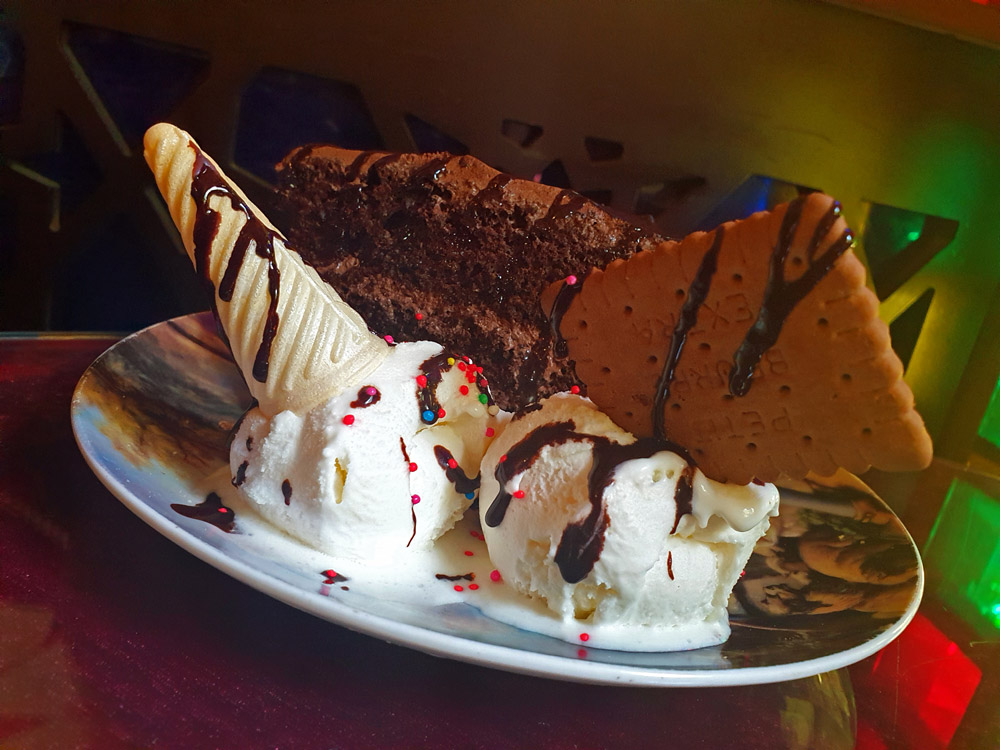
{"points": [[428, 416], [469, 495]]}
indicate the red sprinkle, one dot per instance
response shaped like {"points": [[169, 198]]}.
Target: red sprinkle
{"points": [[468, 553], [473, 586], [413, 466], [414, 499], [440, 413], [422, 381], [503, 458], [459, 588], [575, 389], [348, 419], [452, 463], [461, 365], [223, 510], [483, 381], [418, 316], [388, 338], [518, 494], [584, 637], [464, 390], [490, 432], [495, 576], [582, 653], [571, 279], [331, 573]]}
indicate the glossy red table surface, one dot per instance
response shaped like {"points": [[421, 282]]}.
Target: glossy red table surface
{"points": [[113, 637]]}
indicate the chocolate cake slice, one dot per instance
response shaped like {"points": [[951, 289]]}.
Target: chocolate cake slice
{"points": [[441, 247]]}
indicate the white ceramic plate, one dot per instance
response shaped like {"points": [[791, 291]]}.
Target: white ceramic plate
{"points": [[152, 417]]}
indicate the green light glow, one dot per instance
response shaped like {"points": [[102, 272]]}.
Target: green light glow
{"points": [[989, 428], [962, 556]]}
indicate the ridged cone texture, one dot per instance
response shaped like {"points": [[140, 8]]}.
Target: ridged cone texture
{"points": [[322, 346]]}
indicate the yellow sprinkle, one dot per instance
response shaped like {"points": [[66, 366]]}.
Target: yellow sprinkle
{"points": [[451, 360]]}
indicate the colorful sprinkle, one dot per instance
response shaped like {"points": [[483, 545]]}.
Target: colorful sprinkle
{"points": [[473, 586], [571, 279], [427, 416], [348, 419], [388, 339], [582, 653], [495, 576], [418, 316], [414, 499], [440, 413], [584, 637], [503, 458], [490, 432], [331, 573], [483, 398], [452, 463], [461, 365], [413, 466], [574, 389], [470, 495], [451, 361], [459, 588], [422, 381], [464, 390], [468, 553], [518, 494]]}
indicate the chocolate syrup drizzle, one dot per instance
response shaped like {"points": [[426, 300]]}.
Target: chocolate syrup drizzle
{"points": [[566, 202], [206, 182], [567, 293], [286, 491], [366, 398], [683, 495], [433, 369], [670, 565], [582, 542], [461, 577], [210, 511], [241, 474], [781, 296], [464, 484], [494, 190], [696, 295]]}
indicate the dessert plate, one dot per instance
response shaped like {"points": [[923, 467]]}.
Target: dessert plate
{"points": [[835, 580]]}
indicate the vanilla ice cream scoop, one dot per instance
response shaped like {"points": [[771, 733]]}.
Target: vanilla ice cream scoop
{"points": [[374, 472], [616, 534]]}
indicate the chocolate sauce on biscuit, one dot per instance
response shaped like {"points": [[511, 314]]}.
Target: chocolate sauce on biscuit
{"points": [[780, 295], [696, 295], [567, 293]]}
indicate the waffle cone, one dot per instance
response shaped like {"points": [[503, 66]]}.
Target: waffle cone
{"points": [[295, 340], [827, 393]]}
